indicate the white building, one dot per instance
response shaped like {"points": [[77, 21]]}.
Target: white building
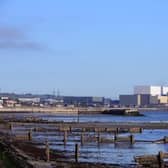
{"points": [[164, 90], [34, 100], [151, 90], [1, 103]]}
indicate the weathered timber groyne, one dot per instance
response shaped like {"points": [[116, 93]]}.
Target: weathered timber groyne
{"points": [[94, 125], [23, 134], [153, 161], [24, 154]]}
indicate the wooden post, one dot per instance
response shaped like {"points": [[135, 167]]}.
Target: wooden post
{"points": [[35, 129], [59, 128], [10, 126], [117, 130], [65, 137], [132, 139], [141, 130], [165, 139], [30, 135], [76, 152], [78, 114], [70, 129], [82, 138], [47, 151], [115, 137], [160, 159], [98, 136]]}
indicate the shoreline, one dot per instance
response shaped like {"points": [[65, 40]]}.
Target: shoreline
{"points": [[21, 153], [153, 109], [26, 131], [38, 109], [72, 111]]}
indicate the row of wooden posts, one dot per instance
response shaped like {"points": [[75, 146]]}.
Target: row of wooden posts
{"points": [[99, 139], [47, 152], [83, 139], [152, 160], [98, 130], [76, 152], [95, 129], [47, 148]]}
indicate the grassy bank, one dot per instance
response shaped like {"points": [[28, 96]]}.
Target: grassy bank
{"points": [[6, 161]]}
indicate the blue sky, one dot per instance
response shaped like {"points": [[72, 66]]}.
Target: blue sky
{"points": [[87, 47]]}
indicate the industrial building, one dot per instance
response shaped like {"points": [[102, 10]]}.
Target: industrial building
{"points": [[151, 90], [83, 101], [134, 100], [146, 96], [162, 99]]}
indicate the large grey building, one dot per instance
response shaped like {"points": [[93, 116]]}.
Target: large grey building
{"points": [[138, 100], [128, 100]]}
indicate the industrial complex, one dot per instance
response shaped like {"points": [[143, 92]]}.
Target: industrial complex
{"points": [[146, 96], [143, 96]]}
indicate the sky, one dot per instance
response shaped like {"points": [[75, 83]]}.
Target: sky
{"points": [[82, 48]]}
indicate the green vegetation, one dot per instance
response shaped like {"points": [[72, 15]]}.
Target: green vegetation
{"points": [[6, 161]]}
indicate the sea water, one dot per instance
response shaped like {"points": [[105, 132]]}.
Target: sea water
{"points": [[120, 153]]}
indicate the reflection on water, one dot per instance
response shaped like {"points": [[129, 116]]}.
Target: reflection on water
{"points": [[148, 117], [120, 152]]}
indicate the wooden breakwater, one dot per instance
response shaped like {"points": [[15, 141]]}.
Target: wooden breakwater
{"points": [[25, 155], [83, 135], [84, 130], [153, 161], [80, 133], [91, 125]]}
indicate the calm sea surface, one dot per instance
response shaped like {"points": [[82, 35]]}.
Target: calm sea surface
{"points": [[122, 153], [148, 117]]}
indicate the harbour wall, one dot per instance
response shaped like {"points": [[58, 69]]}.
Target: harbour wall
{"points": [[76, 110]]}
